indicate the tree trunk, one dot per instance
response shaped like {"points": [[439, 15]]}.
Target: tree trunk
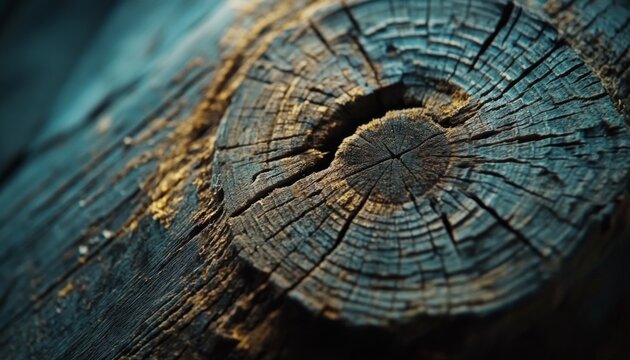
{"points": [[326, 179]]}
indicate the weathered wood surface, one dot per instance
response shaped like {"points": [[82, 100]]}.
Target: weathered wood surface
{"points": [[308, 179]]}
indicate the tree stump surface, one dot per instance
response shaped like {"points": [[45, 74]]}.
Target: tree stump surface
{"points": [[324, 179]]}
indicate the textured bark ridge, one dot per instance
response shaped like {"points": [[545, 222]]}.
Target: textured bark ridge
{"points": [[386, 160], [325, 179]]}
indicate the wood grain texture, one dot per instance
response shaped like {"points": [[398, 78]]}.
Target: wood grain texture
{"points": [[324, 179], [376, 229]]}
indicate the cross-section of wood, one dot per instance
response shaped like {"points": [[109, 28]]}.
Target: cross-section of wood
{"points": [[385, 160], [323, 179]]}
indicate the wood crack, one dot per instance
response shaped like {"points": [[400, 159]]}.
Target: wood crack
{"points": [[340, 235], [506, 13], [505, 224]]}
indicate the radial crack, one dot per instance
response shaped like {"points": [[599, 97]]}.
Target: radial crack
{"points": [[506, 12], [531, 68], [505, 224], [341, 235]]}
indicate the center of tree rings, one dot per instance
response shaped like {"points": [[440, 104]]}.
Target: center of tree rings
{"points": [[405, 149]]}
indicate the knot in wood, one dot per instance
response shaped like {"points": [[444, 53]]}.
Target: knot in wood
{"points": [[406, 147]]}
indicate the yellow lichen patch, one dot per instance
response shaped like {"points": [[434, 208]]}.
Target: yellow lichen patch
{"points": [[459, 99], [66, 290], [447, 100], [133, 225], [165, 197]]}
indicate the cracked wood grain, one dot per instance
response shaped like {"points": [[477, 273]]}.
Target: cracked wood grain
{"points": [[514, 98], [422, 178]]}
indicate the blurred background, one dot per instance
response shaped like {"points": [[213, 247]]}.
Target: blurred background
{"points": [[40, 43], [64, 60]]}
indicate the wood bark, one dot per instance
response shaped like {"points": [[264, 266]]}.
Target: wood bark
{"points": [[333, 179]]}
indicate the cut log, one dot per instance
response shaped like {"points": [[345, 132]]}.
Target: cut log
{"points": [[325, 179]]}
